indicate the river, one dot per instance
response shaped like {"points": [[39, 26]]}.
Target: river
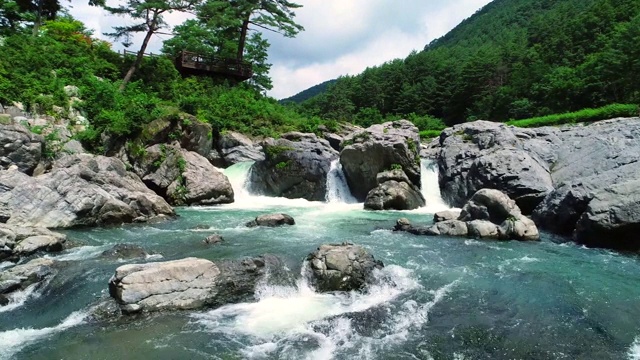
{"points": [[437, 297]]}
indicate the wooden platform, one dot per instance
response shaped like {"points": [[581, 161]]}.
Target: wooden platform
{"points": [[189, 63]]}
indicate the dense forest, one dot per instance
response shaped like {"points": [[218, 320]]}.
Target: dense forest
{"points": [[513, 59]]}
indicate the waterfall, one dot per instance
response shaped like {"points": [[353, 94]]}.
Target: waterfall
{"points": [[238, 174], [430, 188], [337, 188]]}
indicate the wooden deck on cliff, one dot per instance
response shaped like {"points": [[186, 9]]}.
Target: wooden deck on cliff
{"points": [[189, 63]]}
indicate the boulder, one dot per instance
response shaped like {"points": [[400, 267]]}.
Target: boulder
{"points": [[189, 283], [403, 224], [183, 177], [20, 147], [341, 267], [489, 214], [368, 152], [22, 276], [295, 166], [483, 154], [179, 284], [496, 207], [234, 148], [394, 191], [186, 130], [125, 251], [33, 244], [80, 190], [271, 220], [446, 215], [483, 229], [450, 228]]}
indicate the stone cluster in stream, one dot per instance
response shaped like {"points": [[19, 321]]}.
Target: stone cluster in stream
{"points": [[489, 214]]}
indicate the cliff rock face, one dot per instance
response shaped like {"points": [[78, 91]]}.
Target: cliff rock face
{"points": [[20, 147], [376, 149], [484, 154], [579, 181], [595, 170], [296, 166], [182, 177], [80, 190]]}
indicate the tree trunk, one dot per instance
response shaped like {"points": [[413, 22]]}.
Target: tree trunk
{"points": [[243, 39], [138, 61]]}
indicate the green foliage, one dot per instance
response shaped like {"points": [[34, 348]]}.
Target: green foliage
{"points": [[585, 115], [273, 151], [395, 167], [282, 165]]}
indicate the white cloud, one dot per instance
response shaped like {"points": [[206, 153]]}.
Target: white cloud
{"points": [[341, 37]]}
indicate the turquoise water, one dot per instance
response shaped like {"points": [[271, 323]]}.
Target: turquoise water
{"points": [[437, 298]]}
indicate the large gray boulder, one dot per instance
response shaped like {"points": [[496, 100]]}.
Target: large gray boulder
{"points": [[394, 192], [296, 166], [190, 283], [80, 190], [379, 148], [496, 207], [187, 130], [234, 147], [179, 284], [20, 147], [483, 154], [183, 177], [595, 170], [341, 267]]}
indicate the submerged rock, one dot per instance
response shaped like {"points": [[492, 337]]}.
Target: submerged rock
{"points": [[341, 267], [125, 251], [378, 148], [213, 239], [80, 190], [394, 192], [295, 166], [271, 220], [22, 276]]}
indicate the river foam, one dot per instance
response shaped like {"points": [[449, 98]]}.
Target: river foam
{"points": [[285, 317], [13, 341], [634, 350]]}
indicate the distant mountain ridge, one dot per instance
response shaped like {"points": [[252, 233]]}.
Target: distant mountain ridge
{"points": [[309, 93], [512, 59]]}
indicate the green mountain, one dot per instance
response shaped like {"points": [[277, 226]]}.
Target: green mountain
{"points": [[513, 59], [308, 93]]}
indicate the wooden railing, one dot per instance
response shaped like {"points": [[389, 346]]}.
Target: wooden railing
{"points": [[189, 61]]}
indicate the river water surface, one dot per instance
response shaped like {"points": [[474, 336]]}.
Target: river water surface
{"points": [[437, 297]]}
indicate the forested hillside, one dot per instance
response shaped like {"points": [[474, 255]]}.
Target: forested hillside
{"points": [[309, 93], [513, 59]]}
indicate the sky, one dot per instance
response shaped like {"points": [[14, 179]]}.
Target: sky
{"points": [[341, 37]]}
